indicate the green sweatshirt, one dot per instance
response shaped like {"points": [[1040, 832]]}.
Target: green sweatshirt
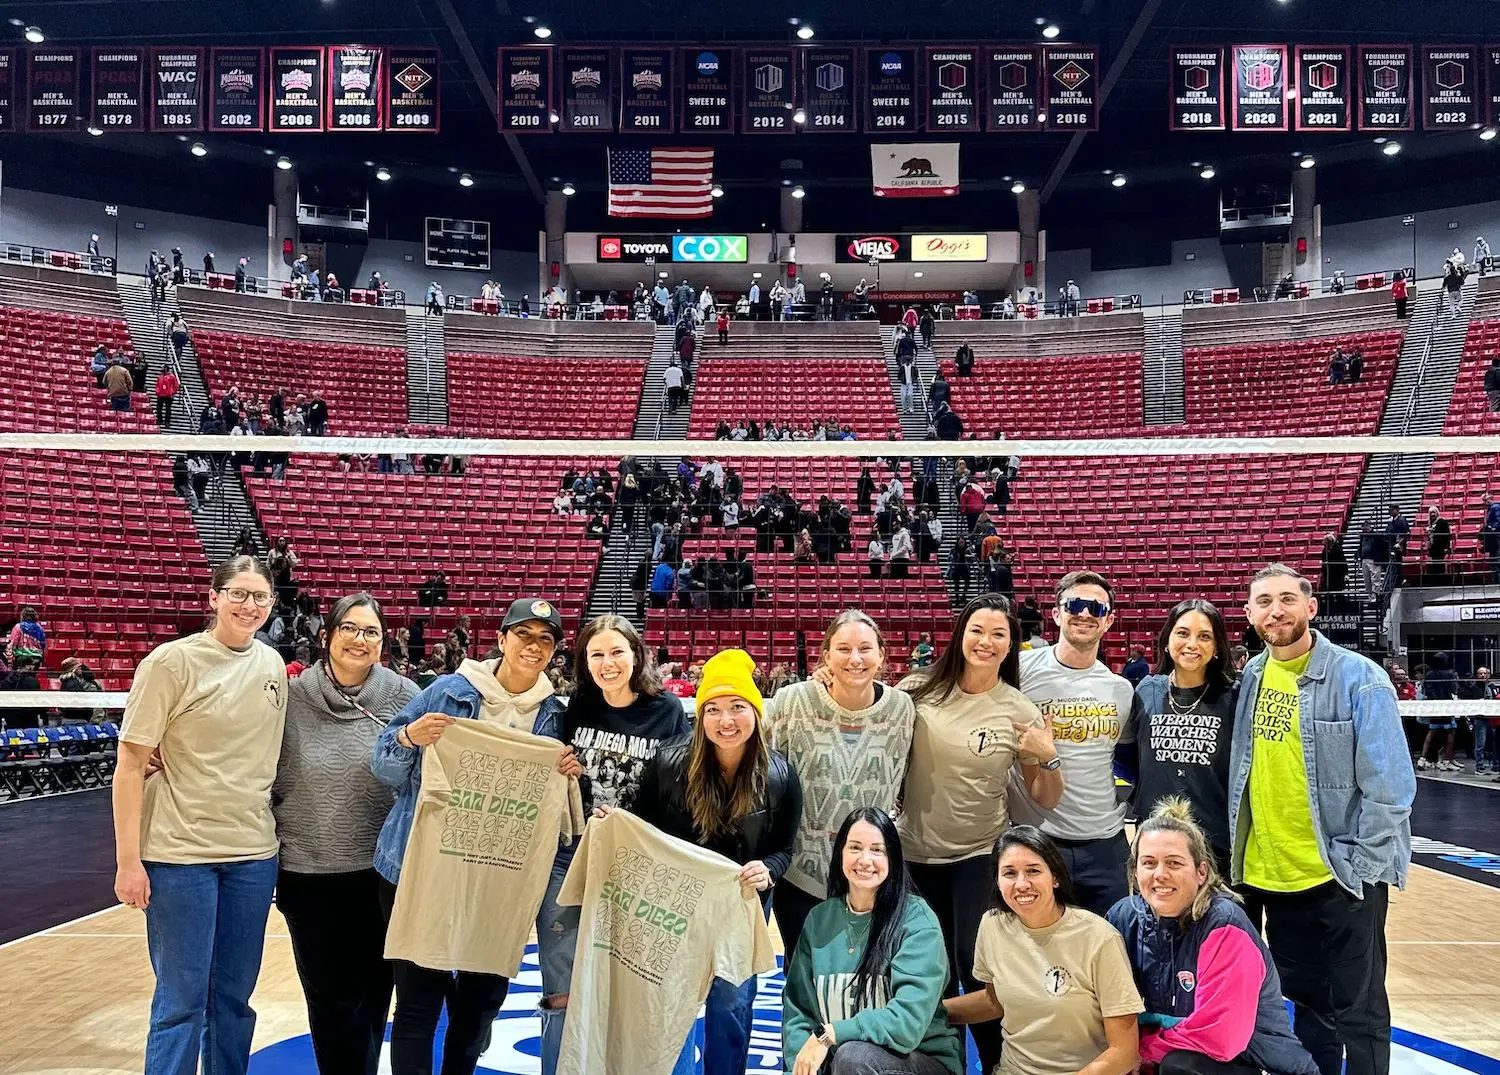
{"points": [[908, 1012]]}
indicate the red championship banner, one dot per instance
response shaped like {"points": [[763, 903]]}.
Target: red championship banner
{"points": [[951, 102], [1385, 88], [237, 97], [7, 90], [413, 95], [1322, 102], [1450, 87], [1197, 88], [354, 88], [1071, 75], [523, 90], [116, 93], [297, 88], [1012, 100], [177, 79], [52, 88], [1259, 83]]}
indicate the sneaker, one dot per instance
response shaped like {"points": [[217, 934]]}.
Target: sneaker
{"points": [[1423, 763], [1482, 767], [1450, 766]]}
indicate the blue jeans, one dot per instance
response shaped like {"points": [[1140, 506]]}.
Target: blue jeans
{"points": [[205, 929], [556, 939], [1486, 743], [728, 1013]]}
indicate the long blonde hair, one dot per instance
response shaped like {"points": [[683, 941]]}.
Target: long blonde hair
{"points": [[1173, 814], [716, 805]]}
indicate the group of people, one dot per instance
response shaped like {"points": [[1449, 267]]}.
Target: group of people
{"points": [[750, 429], [1346, 367], [943, 855], [118, 374]]}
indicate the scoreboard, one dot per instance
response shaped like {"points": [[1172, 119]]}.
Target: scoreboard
{"points": [[458, 244]]}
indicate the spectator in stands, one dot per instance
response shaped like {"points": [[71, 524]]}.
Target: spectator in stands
{"points": [[93, 253], [1492, 385], [433, 591], [1136, 669], [1481, 254], [1031, 620], [941, 392], [99, 363], [598, 527], [722, 324], [1453, 284], [1335, 567], [167, 387], [118, 385], [1356, 364], [876, 554], [28, 638], [663, 584], [1489, 535], [1304, 869], [946, 424], [910, 320], [208, 263], [1074, 295], [902, 549], [79, 678], [140, 369], [926, 325], [1439, 545], [199, 854], [963, 359], [282, 561], [317, 415], [672, 379], [1338, 367], [998, 575], [1399, 294], [22, 676], [1374, 554], [864, 490], [778, 298], [177, 333], [1397, 532]]}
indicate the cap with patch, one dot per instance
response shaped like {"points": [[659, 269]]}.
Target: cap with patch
{"points": [[532, 608]]}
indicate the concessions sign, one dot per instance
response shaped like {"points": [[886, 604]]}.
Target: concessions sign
{"points": [[1259, 81], [1011, 100], [770, 85], [297, 89], [1450, 87], [177, 89], [523, 95], [952, 98], [828, 91], [586, 76], [7, 90], [1385, 88], [236, 98], [117, 87], [1071, 75], [646, 91], [354, 88], [1322, 88], [412, 92], [1197, 89], [52, 89], [707, 90]]}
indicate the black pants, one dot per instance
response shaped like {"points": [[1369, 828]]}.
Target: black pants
{"points": [[1097, 868], [473, 1002], [723, 336], [1187, 1062], [791, 906], [959, 893], [1400, 309], [1330, 951], [338, 940], [164, 411]]}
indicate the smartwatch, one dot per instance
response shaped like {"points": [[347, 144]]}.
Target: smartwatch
{"points": [[1054, 764]]}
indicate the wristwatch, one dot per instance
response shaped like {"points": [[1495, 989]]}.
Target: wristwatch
{"points": [[826, 1036], [1054, 764]]}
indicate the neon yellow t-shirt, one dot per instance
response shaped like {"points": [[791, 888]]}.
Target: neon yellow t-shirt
{"points": [[1281, 849]]}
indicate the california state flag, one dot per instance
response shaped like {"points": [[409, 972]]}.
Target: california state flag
{"points": [[915, 169]]}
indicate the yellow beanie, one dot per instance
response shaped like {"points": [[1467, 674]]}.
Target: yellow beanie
{"points": [[730, 671]]}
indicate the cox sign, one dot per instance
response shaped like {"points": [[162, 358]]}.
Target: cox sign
{"points": [[710, 248]]}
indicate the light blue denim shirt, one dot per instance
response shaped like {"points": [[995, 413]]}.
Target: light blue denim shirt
{"points": [[400, 768], [1359, 773]]}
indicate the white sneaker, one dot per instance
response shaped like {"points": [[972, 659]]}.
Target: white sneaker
{"points": [[1451, 766], [1423, 763]]}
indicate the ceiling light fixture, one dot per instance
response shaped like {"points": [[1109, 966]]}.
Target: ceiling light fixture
{"points": [[34, 35], [383, 174], [799, 116], [95, 131], [1018, 187], [798, 192], [716, 191], [569, 190], [1208, 172], [1390, 149], [1307, 162], [1050, 31], [199, 150], [918, 274], [542, 31], [284, 163], [466, 180], [805, 32], [753, 276], [1118, 181], [1487, 135], [553, 116]]}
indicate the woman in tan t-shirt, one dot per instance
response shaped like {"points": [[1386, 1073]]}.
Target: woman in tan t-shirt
{"points": [[1056, 976], [195, 846], [973, 724]]}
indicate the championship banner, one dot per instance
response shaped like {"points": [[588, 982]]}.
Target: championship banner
{"points": [[413, 95], [890, 90], [523, 91], [1450, 87], [585, 77], [236, 100], [1385, 88], [708, 90], [1012, 99], [915, 169], [952, 98], [353, 91], [1322, 102], [1258, 97], [297, 88], [177, 89], [1492, 80], [646, 91], [52, 81], [115, 94], [1071, 75], [1197, 88], [770, 85], [828, 92], [7, 90]]}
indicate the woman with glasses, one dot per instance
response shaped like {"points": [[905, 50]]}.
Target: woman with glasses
{"points": [[723, 788], [513, 691], [195, 845], [329, 808]]}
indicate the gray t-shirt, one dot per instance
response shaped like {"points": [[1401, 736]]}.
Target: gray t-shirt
{"points": [[1089, 709]]}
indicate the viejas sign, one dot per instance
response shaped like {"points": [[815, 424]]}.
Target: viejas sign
{"points": [[861, 248]]}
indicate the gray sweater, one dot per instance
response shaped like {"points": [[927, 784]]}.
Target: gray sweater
{"points": [[328, 805]]}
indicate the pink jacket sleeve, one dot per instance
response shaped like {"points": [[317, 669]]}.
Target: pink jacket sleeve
{"points": [[1230, 972]]}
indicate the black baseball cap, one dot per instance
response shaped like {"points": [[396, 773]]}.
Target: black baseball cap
{"points": [[524, 609]]}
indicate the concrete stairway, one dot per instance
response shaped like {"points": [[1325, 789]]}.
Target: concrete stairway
{"points": [[1162, 369], [426, 369]]}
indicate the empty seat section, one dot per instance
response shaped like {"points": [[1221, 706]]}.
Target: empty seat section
{"points": [[1083, 396], [519, 396], [1469, 413], [851, 391]]}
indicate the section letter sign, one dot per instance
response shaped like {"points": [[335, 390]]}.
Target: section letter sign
{"points": [[354, 79], [1322, 88], [708, 90], [523, 94], [646, 91], [7, 90], [177, 89], [119, 78], [297, 88], [413, 94], [770, 88], [585, 75], [1011, 84], [1071, 75], [1450, 87], [1197, 88], [952, 98], [236, 95], [1385, 87], [1258, 100], [890, 90], [52, 80], [828, 91]]}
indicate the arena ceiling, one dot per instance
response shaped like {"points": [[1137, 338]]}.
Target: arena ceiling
{"points": [[1133, 37]]}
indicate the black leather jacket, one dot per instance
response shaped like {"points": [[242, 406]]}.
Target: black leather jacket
{"points": [[765, 833]]}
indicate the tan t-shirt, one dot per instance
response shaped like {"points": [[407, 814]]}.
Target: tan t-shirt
{"points": [[490, 811], [962, 750], [1056, 985], [217, 715], [661, 918]]}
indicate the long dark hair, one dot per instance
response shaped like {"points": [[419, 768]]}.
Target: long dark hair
{"points": [[645, 680], [1219, 675], [943, 679], [890, 901], [1037, 841], [339, 613]]}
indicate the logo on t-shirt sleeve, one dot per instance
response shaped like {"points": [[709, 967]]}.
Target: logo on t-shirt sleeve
{"points": [[272, 687]]}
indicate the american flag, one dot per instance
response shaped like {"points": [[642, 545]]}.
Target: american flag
{"points": [[661, 182]]}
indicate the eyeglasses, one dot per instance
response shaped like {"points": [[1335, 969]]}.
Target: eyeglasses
{"points": [[237, 596], [1077, 606], [350, 631]]}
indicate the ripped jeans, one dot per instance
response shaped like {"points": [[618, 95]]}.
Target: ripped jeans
{"points": [[556, 939]]}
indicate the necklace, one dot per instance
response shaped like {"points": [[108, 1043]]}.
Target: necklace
{"points": [[855, 939], [1178, 709]]}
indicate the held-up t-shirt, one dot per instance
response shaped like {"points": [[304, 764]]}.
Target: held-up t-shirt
{"points": [[614, 744], [660, 919], [962, 750], [490, 811], [1057, 986], [1090, 711], [217, 715]]}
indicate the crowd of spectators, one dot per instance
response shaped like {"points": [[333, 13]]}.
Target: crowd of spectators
{"points": [[750, 429]]}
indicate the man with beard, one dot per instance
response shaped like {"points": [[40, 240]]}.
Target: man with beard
{"points": [[1320, 794], [1089, 708]]}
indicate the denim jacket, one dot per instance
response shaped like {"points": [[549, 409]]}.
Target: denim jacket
{"points": [[401, 768], [1359, 773]]}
